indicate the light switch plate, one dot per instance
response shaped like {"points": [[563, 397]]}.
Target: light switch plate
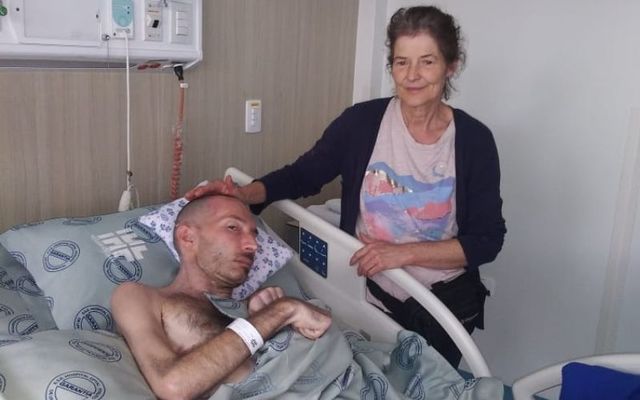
{"points": [[253, 116]]}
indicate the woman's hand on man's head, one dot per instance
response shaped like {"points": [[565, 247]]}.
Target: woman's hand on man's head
{"points": [[225, 186]]}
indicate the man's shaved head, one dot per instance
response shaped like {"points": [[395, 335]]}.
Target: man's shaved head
{"points": [[196, 212]]}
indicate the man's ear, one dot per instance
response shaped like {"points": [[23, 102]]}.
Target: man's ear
{"points": [[186, 238]]}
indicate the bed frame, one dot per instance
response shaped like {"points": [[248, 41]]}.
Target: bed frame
{"points": [[344, 291]]}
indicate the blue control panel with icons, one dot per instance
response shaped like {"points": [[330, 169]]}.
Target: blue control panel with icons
{"points": [[122, 11], [313, 252]]}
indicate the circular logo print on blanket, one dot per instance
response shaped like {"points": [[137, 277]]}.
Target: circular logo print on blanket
{"points": [[5, 311], [82, 221], [407, 352], [19, 257], [375, 389], [101, 351], [27, 285], [6, 282], [256, 384], [75, 385], [119, 269], [3, 382], [92, 318], [280, 342], [415, 388], [23, 324], [60, 255], [144, 232]]}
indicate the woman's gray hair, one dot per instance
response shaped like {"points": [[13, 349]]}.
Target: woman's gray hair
{"points": [[441, 26]]}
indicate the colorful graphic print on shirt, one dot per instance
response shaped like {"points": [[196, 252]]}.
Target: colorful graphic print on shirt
{"points": [[400, 209]]}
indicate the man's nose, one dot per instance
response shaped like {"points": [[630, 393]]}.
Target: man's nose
{"points": [[249, 243]]}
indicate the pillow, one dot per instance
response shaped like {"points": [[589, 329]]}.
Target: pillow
{"points": [[79, 364], [23, 308], [586, 382], [271, 255], [77, 262]]}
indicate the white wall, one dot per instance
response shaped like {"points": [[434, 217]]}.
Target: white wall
{"points": [[556, 82]]}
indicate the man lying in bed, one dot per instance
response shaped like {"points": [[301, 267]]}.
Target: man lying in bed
{"points": [[177, 337], [180, 343]]}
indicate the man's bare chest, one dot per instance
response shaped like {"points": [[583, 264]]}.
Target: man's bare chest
{"points": [[188, 321]]}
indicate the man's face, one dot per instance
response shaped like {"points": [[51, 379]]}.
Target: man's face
{"points": [[226, 241]]}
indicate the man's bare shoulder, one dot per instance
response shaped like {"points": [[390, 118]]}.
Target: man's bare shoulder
{"points": [[133, 297], [128, 290]]}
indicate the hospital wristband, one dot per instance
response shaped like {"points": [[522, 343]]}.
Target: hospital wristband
{"points": [[248, 333]]}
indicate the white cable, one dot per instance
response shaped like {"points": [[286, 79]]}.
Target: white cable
{"points": [[126, 45], [126, 198]]}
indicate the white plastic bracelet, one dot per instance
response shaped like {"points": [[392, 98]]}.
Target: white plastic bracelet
{"points": [[248, 333]]}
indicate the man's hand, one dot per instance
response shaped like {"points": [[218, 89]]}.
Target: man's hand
{"points": [[226, 186], [308, 320], [263, 298], [376, 256]]}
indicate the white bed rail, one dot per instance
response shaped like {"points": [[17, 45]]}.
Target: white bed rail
{"points": [[347, 278], [549, 377]]}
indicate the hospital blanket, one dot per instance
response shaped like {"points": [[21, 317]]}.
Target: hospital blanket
{"points": [[343, 365]]}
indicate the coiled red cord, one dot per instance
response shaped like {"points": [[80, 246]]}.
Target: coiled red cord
{"points": [[177, 146]]}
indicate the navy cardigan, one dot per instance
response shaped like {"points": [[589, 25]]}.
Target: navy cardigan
{"points": [[345, 149]]}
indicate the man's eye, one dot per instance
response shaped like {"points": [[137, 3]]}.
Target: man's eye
{"points": [[232, 228], [400, 63], [426, 62]]}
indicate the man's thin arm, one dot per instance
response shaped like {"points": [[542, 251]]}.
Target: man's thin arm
{"points": [[186, 376]]}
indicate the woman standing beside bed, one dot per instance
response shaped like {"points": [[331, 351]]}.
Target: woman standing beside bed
{"points": [[420, 181]]}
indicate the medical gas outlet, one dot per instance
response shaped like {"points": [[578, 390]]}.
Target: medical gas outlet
{"points": [[253, 116]]}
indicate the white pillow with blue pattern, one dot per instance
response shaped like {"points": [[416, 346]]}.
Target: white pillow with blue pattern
{"points": [[23, 307], [77, 262], [76, 364], [271, 255]]}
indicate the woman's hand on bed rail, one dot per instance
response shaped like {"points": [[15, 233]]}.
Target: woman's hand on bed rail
{"points": [[376, 256], [253, 193]]}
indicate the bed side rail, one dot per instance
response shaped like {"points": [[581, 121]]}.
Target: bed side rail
{"points": [[353, 286]]}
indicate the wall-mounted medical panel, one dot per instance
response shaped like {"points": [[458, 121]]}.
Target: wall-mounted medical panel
{"points": [[99, 33]]}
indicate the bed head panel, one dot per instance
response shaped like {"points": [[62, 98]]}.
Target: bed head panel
{"points": [[344, 291]]}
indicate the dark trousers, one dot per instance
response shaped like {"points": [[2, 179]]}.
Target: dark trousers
{"points": [[464, 296]]}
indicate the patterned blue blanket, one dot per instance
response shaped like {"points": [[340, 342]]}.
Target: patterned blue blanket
{"points": [[343, 365]]}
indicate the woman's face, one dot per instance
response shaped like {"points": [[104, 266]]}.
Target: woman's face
{"points": [[419, 70]]}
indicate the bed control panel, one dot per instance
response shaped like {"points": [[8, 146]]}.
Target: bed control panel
{"points": [[313, 252]]}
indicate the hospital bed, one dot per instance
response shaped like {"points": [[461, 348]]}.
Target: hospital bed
{"points": [[56, 332]]}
